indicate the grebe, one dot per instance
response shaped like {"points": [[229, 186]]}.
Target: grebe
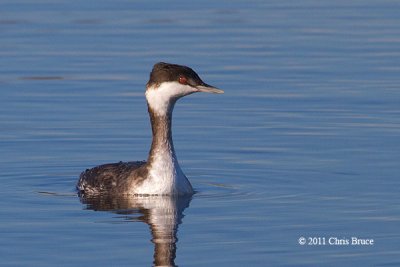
{"points": [[161, 174]]}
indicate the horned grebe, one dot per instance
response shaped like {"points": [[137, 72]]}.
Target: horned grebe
{"points": [[161, 174]]}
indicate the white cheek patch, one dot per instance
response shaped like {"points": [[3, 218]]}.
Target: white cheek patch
{"points": [[160, 98]]}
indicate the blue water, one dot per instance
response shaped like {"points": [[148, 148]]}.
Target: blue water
{"points": [[304, 142]]}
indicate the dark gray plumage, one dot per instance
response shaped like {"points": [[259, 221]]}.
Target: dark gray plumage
{"points": [[165, 72], [109, 178]]}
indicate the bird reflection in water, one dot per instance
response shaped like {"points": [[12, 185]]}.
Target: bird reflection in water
{"points": [[162, 213]]}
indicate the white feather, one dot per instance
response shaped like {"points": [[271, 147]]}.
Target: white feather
{"points": [[161, 97], [165, 177]]}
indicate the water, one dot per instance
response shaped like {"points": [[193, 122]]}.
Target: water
{"points": [[304, 142]]}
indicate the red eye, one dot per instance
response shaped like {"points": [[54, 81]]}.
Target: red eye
{"points": [[182, 80]]}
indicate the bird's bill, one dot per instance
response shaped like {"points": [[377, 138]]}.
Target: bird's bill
{"points": [[209, 89]]}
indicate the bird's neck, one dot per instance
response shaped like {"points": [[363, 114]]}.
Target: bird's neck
{"points": [[162, 144], [166, 176]]}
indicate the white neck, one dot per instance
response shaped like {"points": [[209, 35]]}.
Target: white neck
{"points": [[165, 175]]}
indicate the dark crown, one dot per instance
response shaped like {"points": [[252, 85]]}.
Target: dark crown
{"points": [[165, 72]]}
